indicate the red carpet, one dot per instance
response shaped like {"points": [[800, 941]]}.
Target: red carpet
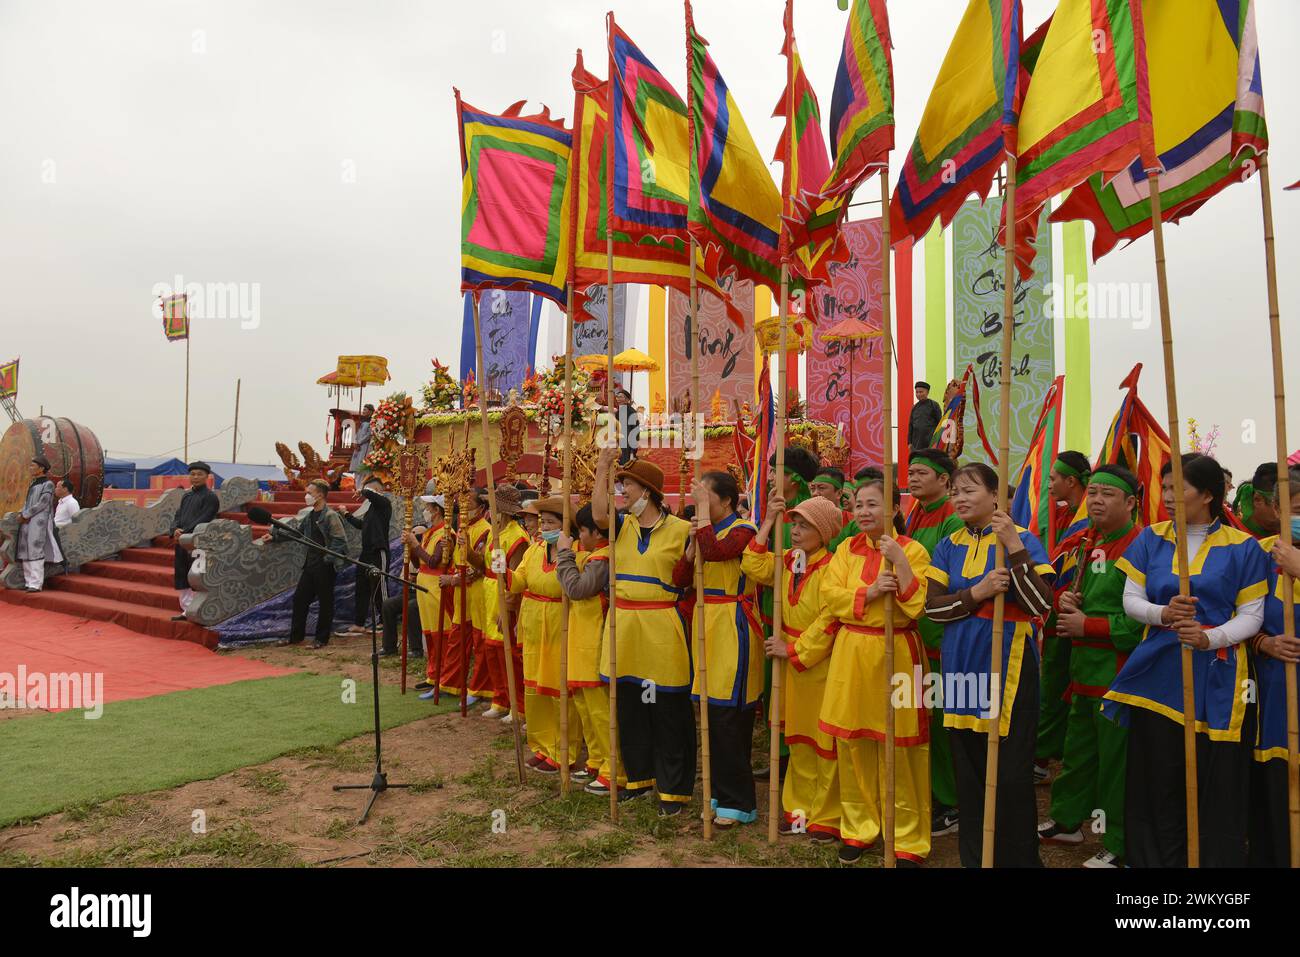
{"points": [[133, 665]]}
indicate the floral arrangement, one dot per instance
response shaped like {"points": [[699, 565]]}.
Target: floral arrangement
{"points": [[389, 416], [381, 459], [469, 392], [442, 392]]}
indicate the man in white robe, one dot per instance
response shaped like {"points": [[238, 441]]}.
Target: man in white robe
{"points": [[36, 542]]}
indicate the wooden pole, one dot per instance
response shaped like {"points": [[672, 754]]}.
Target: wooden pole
{"points": [[997, 696], [188, 333], [1180, 524], [444, 594], [408, 494], [887, 464], [611, 616], [503, 617], [234, 441], [1284, 512], [774, 705], [698, 627], [566, 429]]}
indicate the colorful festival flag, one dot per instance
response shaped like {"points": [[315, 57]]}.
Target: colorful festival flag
{"points": [[862, 103], [733, 203], [1136, 440], [1086, 106], [807, 165], [639, 256], [9, 379], [514, 200], [1032, 505], [950, 429], [176, 317], [1209, 121], [968, 124]]}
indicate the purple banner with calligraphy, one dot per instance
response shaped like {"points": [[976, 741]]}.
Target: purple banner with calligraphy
{"points": [[844, 378], [509, 321]]}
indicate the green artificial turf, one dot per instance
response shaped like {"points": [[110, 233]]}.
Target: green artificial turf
{"points": [[54, 761]]}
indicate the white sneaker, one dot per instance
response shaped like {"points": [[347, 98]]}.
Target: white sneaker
{"points": [[494, 712], [509, 718], [1102, 858], [1049, 832]]}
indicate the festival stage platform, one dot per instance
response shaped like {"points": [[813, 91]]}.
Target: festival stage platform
{"points": [[133, 665], [134, 589]]}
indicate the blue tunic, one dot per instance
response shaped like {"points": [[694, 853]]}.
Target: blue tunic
{"points": [[1270, 674], [960, 561], [1229, 569]]}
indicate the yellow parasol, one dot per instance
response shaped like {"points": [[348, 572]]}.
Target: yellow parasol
{"points": [[590, 363], [798, 334]]}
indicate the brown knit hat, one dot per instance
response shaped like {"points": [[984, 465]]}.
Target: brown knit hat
{"points": [[821, 514], [647, 473], [507, 500]]}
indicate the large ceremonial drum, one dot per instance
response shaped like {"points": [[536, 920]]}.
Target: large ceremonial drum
{"points": [[74, 453]]}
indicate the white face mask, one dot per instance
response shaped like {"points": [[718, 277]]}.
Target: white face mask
{"points": [[310, 500], [639, 506]]}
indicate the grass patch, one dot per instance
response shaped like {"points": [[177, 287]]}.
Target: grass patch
{"points": [[59, 761]]}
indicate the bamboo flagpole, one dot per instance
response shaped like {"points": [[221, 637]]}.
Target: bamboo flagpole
{"points": [[887, 464], [189, 334], [611, 616], [1180, 523], [775, 701], [503, 617], [996, 695], [566, 429], [1284, 511], [698, 618], [234, 440]]}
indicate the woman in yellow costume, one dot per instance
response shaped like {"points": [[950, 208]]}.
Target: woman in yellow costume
{"points": [[656, 722], [851, 630], [584, 576], [811, 794], [428, 552], [514, 541], [541, 633], [733, 647], [465, 617]]}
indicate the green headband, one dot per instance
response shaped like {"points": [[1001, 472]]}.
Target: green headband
{"points": [[829, 480], [800, 482], [930, 463], [1066, 469], [1114, 481]]}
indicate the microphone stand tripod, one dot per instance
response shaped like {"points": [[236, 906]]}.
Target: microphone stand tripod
{"points": [[379, 783]]}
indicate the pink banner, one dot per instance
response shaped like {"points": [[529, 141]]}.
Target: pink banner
{"points": [[726, 351], [844, 378]]}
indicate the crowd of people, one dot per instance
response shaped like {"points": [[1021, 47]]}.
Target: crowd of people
{"points": [[1089, 684]]}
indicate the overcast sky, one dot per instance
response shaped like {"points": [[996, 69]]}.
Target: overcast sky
{"points": [[307, 149]]}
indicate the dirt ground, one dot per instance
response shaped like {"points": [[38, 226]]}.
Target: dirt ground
{"points": [[465, 808]]}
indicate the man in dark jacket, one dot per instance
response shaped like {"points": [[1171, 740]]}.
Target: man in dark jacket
{"points": [[925, 419], [319, 571], [199, 506], [374, 549]]}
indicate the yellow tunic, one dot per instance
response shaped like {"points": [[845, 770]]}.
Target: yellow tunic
{"points": [[540, 619], [513, 539], [851, 631], [734, 637], [805, 685], [476, 533], [586, 627], [651, 635], [430, 602]]}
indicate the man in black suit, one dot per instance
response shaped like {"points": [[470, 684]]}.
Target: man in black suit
{"points": [[199, 506], [925, 419], [374, 549]]}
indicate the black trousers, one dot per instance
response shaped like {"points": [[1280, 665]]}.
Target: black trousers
{"points": [[1155, 799], [315, 585], [1016, 834], [368, 596], [393, 622], [181, 562], [656, 739], [1270, 834], [731, 742]]}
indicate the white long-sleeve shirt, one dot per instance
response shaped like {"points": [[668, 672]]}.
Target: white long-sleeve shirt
{"points": [[65, 511], [1245, 624]]}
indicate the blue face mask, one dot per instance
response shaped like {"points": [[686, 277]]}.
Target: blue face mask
{"points": [[1295, 528], [550, 538]]}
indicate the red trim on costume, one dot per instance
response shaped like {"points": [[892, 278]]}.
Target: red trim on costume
{"points": [[910, 590], [808, 742], [1096, 627], [923, 737], [628, 604], [546, 598]]}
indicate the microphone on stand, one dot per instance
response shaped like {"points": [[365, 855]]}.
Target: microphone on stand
{"points": [[260, 516]]}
